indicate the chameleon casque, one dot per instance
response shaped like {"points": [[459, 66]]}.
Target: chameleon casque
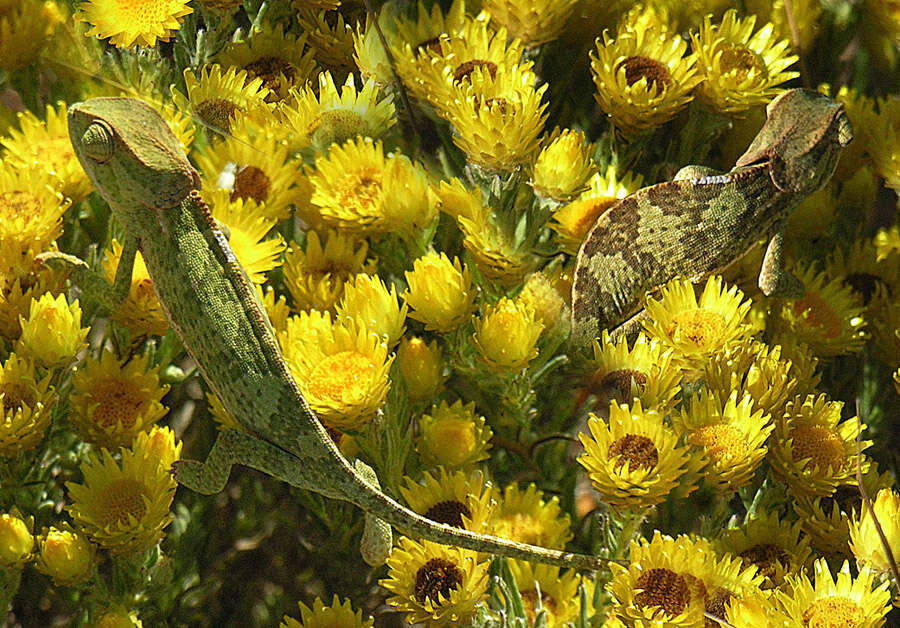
{"points": [[137, 165], [703, 220]]}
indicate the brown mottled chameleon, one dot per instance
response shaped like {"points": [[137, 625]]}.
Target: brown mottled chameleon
{"points": [[703, 220]]}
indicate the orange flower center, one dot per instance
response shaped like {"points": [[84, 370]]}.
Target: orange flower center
{"points": [[821, 445], [120, 403], [22, 205], [721, 441], [520, 526], [362, 190], [700, 327], [347, 373], [833, 611], [122, 499], [638, 451], [818, 314], [251, 182]]}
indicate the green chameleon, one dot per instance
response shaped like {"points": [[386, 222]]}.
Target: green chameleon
{"points": [[703, 220], [137, 165]]}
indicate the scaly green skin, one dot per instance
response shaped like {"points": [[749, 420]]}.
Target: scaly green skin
{"points": [[135, 162], [702, 221]]}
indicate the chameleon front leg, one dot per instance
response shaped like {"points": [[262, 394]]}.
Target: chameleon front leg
{"points": [[774, 280]]}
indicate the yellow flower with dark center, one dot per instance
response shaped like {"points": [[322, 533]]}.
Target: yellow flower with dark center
{"points": [[563, 165], [730, 433], [506, 335], [527, 517], [25, 28], [865, 539], [218, 98], [573, 221], [436, 585], [326, 116], [696, 328], [337, 614], [281, 60], [453, 436], [534, 23], [440, 292], [252, 164], [643, 372], [342, 371], [774, 545], [813, 451], [131, 22], [642, 76], [804, 14], [828, 319], [124, 506], [140, 311], [113, 402], [331, 34], [22, 280], [52, 334], [16, 538], [367, 299], [549, 588], [44, 145], [422, 367], [740, 68], [65, 555], [841, 601], [31, 211], [315, 276], [875, 279], [635, 460], [462, 499]]}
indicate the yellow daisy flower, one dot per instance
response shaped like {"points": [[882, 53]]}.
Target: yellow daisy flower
{"points": [[527, 517], [337, 614], [126, 23], [573, 221], [22, 280], [506, 335], [563, 165], [112, 402], [367, 299], [494, 250], [327, 116], [874, 278], [462, 499], [117, 617], [440, 292], [125, 506], [534, 23], [437, 585], [422, 367], [635, 460], [16, 538], [841, 601], [331, 34], [423, 32], [218, 98], [881, 137], [369, 53], [67, 556], [45, 145], [642, 76], [342, 371], [140, 311], [31, 211], [549, 307], [775, 545], [549, 588], [865, 539], [52, 334], [740, 68], [25, 28], [281, 60], [813, 451], [315, 276], [453, 436], [804, 13]]}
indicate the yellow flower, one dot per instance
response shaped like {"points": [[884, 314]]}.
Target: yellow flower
{"points": [[498, 257], [533, 22], [573, 221], [342, 371], [368, 52], [549, 588], [26, 405], [118, 617], [325, 116], [137, 21], [642, 76], [462, 499], [887, 242], [812, 449], [218, 98], [368, 300], [635, 460], [52, 334], [338, 614], [24, 31], [440, 292], [731, 435], [281, 60], [30, 211], [741, 68], [841, 601], [549, 307], [113, 402], [563, 165], [436, 585], [804, 14], [140, 311], [125, 506], [775, 545], [22, 280], [422, 367], [65, 555], [276, 307], [865, 539], [16, 538], [526, 517], [880, 138], [453, 436], [331, 35], [506, 335]]}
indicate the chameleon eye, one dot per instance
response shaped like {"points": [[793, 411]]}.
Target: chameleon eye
{"points": [[98, 142]]}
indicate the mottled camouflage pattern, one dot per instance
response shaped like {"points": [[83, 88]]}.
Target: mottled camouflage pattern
{"points": [[702, 221], [133, 158]]}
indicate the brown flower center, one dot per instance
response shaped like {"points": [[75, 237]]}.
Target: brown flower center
{"points": [[464, 70], [450, 512], [120, 403], [664, 589], [436, 579], [270, 69], [766, 557], [638, 451], [620, 382], [14, 396], [865, 285], [251, 182], [217, 113], [432, 45], [742, 61], [715, 606], [637, 68], [823, 447], [122, 499]]}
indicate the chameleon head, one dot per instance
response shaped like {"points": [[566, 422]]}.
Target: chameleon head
{"points": [[130, 154]]}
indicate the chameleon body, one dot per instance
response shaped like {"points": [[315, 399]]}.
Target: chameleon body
{"points": [[135, 162], [703, 220]]}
